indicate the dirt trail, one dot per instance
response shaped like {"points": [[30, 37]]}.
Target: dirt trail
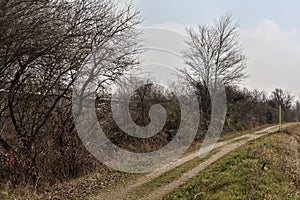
{"points": [[227, 146], [161, 192]]}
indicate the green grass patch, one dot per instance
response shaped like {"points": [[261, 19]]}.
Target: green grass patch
{"points": [[4, 197], [196, 146], [239, 175], [168, 177]]}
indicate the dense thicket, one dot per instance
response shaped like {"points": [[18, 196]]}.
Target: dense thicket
{"points": [[43, 44], [245, 109]]}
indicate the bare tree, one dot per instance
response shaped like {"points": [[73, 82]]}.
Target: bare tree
{"points": [[214, 53], [214, 56], [297, 111], [286, 100], [43, 44], [283, 98]]}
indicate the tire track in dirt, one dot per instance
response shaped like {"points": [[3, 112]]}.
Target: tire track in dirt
{"points": [[120, 192], [161, 192]]}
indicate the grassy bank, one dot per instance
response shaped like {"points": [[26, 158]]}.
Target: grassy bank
{"points": [[265, 169]]}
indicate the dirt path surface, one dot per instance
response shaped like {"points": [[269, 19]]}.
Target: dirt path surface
{"points": [[225, 147]]}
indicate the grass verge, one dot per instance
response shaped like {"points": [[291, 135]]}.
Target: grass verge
{"points": [[239, 175], [168, 177]]}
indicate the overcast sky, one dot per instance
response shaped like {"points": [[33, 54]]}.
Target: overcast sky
{"points": [[270, 33]]}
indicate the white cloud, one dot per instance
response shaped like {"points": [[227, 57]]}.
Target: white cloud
{"points": [[172, 26], [273, 57], [164, 44]]}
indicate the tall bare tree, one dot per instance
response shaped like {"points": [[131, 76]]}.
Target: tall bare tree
{"points": [[286, 100], [42, 46], [214, 56], [214, 53]]}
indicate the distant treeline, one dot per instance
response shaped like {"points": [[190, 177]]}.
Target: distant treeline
{"points": [[245, 110]]}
